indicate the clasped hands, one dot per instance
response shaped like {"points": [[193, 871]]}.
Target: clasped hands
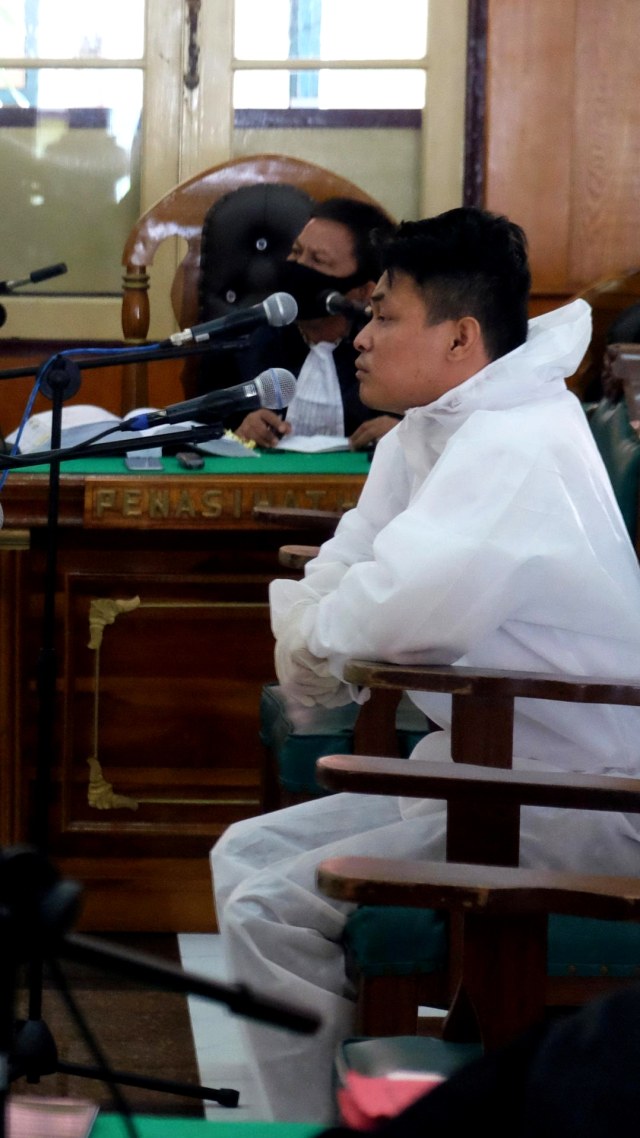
{"points": [[306, 678]]}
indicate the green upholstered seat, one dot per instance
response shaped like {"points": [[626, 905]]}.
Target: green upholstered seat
{"points": [[397, 941], [321, 731], [619, 446]]}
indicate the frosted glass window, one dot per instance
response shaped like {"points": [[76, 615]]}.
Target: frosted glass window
{"points": [[348, 31], [330, 29], [72, 29], [70, 176], [70, 137]]}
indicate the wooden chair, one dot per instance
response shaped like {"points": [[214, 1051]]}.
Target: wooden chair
{"points": [[608, 298], [617, 440], [492, 968], [180, 213], [621, 378]]}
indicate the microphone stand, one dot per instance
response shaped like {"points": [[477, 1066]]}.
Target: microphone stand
{"points": [[160, 351], [36, 1052]]}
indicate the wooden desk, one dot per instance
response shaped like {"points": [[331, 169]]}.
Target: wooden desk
{"points": [[161, 689]]}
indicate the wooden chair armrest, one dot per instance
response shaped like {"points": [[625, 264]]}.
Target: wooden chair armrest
{"points": [[492, 683], [419, 778], [296, 556], [325, 521], [478, 888]]}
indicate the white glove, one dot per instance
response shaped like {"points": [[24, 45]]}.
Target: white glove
{"points": [[304, 677]]}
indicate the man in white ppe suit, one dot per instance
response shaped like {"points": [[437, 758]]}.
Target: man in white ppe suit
{"points": [[487, 535]]}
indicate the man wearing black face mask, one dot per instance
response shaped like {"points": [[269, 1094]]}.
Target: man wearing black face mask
{"points": [[334, 252]]}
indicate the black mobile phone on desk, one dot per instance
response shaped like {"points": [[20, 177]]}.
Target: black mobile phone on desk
{"points": [[190, 460]]}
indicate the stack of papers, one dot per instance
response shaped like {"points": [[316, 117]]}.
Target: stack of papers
{"points": [[313, 444]]}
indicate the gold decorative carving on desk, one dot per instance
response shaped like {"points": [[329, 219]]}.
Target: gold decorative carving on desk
{"points": [[103, 611], [100, 794]]}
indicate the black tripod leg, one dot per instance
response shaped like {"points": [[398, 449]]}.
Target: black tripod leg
{"points": [[34, 1054], [225, 1096]]}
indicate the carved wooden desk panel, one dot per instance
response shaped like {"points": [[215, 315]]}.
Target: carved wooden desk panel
{"points": [[163, 643]]}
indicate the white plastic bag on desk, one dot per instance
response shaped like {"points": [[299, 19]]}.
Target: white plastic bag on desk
{"points": [[80, 421]]}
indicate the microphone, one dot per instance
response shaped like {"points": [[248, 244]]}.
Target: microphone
{"points": [[338, 305], [34, 277], [273, 388], [277, 310]]}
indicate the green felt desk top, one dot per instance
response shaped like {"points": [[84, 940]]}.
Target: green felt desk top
{"points": [[267, 462], [111, 1126]]}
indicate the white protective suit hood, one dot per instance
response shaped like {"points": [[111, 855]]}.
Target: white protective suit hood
{"points": [[555, 345]]}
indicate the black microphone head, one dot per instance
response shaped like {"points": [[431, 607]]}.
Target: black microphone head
{"points": [[338, 305], [50, 271], [280, 308], [276, 387]]}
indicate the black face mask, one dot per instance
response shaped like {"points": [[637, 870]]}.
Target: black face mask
{"points": [[308, 287]]}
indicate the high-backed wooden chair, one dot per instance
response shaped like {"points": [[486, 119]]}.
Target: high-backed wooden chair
{"points": [[495, 968], [180, 213]]}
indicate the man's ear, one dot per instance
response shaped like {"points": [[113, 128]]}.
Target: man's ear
{"points": [[466, 338]]}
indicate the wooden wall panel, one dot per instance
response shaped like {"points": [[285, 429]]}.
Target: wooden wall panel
{"points": [[605, 199], [529, 92], [562, 138]]}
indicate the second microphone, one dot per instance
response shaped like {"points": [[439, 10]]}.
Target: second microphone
{"points": [[273, 388]]}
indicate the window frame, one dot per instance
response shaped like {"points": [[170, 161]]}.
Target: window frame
{"points": [[188, 129]]}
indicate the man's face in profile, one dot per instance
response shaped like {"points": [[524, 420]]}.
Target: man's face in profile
{"points": [[404, 360]]}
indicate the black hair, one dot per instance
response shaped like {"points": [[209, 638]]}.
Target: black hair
{"points": [[468, 262], [368, 225]]}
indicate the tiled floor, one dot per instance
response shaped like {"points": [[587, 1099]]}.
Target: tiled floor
{"points": [[217, 1032]]}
